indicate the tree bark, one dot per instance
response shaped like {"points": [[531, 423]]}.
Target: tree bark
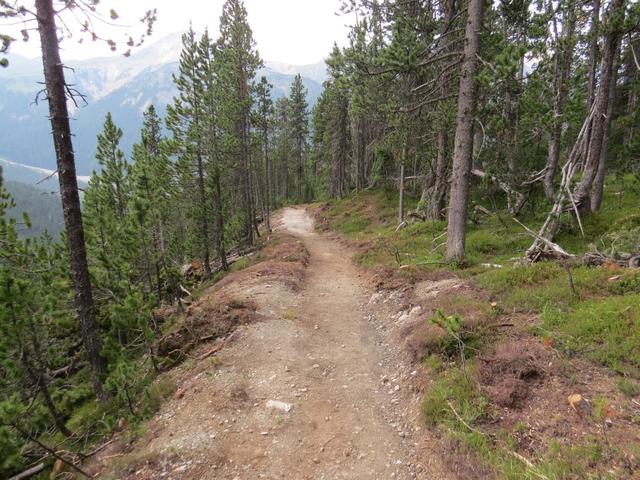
{"points": [[439, 192], [463, 145], [204, 223], [612, 39], [339, 147], [267, 180], [401, 187], [598, 182], [563, 56], [594, 51], [59, 117]]}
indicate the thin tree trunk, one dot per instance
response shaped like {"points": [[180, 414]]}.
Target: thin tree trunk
{"points": [[339, 147], [204, 224], [267, 181], [401, 187], [59, 117], [463, 144], [593, 65], [563, 66], [598, 182], [439, 192], [219, 219], [593, 53]]}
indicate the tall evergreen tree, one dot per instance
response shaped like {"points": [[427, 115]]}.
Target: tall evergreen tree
{"points": [[237, 62], [264, 119], [186, 120], [299, 117]]}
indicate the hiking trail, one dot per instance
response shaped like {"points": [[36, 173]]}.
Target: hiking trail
{"points": [[348, 411]]}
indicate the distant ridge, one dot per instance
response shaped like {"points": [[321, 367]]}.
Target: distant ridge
{"points": [[123, 86]]}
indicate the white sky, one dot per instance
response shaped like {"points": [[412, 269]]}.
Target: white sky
{"points": [[292, 31]]}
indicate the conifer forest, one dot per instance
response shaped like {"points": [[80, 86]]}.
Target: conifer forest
{"points": [[441, 253]]}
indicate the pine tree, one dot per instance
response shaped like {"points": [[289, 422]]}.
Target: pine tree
{"points": [[34, 292], [151, 201], [283, 149], [299, 117], [264, 118], [463, 149], [208, 52], [237, 62], [187, 123]]}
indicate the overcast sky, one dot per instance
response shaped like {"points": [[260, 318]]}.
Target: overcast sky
{"points": [[291, 31]]}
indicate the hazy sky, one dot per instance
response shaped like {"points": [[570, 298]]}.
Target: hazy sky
{"points": [[291, 31]]}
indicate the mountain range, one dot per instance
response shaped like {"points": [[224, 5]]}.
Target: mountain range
{"points": [[123, 86]]}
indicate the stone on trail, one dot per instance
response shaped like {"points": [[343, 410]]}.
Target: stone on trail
{"points": [[278, 405]]}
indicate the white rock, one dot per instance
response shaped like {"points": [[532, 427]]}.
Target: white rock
{"points": [[278, 405]]}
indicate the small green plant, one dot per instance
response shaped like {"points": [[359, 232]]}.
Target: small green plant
{"points": [[521, 427], [432, 362], [455, 402], [240, 264], [629, 387], [156, 393], [290, 314], [453, 324], [602, 409]]}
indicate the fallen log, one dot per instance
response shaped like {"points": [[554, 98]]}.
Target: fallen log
{"points": [[29, 473]]}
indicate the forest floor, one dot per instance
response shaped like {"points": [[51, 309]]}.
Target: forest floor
{"points": [[319, 388]]}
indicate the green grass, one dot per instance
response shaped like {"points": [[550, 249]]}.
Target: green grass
{"points": [[629, 387], [457, 407], [605, 330]]}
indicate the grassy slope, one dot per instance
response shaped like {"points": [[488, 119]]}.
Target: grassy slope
{"points": [[600, 322]]}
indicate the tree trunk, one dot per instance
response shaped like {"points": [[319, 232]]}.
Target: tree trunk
{"points": [[204, 224], [59, 117], [463, 144], [563, 56], [401, 187], [219, 220], [612, 39], [439, 193], [267, 181], [339, 148], [593, 53], [598, 182], [593, 65]]}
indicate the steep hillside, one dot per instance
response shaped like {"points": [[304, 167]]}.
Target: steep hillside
{"points": [[43, 208]]}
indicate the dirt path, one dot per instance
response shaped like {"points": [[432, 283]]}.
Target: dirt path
{"points": [[324, 352]]}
